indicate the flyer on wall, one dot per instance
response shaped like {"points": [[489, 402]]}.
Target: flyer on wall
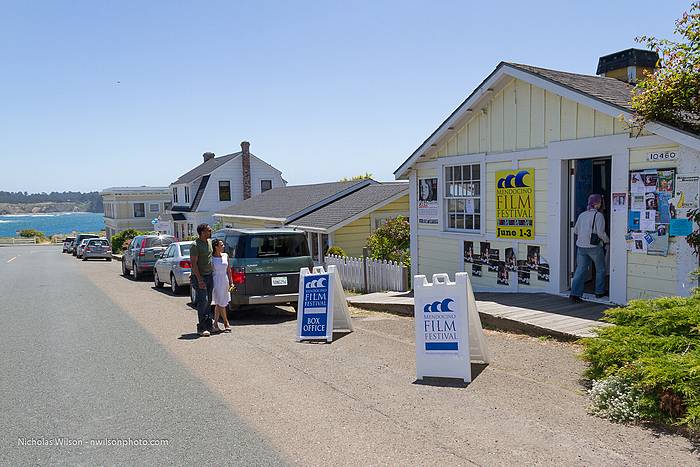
{"points": [[427, 201], [686, 194], [619, 202]]}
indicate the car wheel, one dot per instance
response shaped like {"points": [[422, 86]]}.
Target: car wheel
{"points": [[137, 274], [156, 282], [174, 288], [109, 259], [125, 271]]}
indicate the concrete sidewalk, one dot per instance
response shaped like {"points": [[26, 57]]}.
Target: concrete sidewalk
{"points": [[535, 314]]}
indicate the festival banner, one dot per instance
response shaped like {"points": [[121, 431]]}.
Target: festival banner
{"points": [[515, 204]]}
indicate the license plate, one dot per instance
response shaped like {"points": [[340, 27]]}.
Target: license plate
{"points": [[277, 281]]}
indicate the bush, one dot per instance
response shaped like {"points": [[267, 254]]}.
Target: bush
{"points": [[655, 348], [336, 251], [31, 233], [121, 240], [616, 399], [392, 241]]}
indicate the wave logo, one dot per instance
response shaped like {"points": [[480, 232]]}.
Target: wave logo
{"points": [[316, 284], [514, 181], [439, 306]]}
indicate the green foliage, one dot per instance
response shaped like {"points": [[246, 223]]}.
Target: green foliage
{"points": [[336, 251], [121, 240], [364, 176], [391, 241], [31, 233], [672, 93], [655, 347]]}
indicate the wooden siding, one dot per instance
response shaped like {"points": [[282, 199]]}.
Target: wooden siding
{"points": [[353, 237], [436, 255], [652, 276], [522, 116]]}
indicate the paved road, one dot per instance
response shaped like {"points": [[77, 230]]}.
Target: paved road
{"points": [[116, 358], [75, 366]]}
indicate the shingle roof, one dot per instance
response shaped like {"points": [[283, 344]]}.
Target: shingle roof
{"points": [[205, 168], [285, 202], [609, 90], [365, 198]]}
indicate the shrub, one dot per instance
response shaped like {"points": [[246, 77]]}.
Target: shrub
{"points": [[121, 240], [391, 241], [616, 399], [336, 251], [655, 348], [31, 233]]}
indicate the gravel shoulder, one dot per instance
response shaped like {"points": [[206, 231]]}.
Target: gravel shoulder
{"points": [[356, 400]]}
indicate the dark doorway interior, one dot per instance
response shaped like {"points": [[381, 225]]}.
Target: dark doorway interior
{"points": [[590, 176]]}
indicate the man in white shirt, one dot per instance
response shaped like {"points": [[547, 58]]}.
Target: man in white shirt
{"points": [[590, 248]]}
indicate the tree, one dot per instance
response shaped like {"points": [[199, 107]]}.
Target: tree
{"points": [[364, 176], [671, 94], [392, 241]]}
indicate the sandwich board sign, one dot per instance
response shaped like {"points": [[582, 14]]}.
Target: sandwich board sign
{"points": [[448, 329], [322, 306]]}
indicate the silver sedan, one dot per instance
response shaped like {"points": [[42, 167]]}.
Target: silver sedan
{"points": [[96, 248], [173, 267]]}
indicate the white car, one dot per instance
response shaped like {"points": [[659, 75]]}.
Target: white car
{"points": [[173, 267]]}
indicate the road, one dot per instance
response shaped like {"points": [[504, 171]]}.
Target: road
{"points": [[89, 355]]}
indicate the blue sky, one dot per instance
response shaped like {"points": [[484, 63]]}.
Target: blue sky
{"points": [[98, 94]]}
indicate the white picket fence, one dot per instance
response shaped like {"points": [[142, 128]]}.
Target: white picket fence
{"points": [[17, 241], [381, 275]]}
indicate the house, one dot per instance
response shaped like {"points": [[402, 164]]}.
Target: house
{"points": [[133, 207], [496, 188], [216, 184], [342, 214]]}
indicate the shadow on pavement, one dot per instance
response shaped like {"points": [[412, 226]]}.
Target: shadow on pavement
{"points": [[477, 368], [189, 336]]}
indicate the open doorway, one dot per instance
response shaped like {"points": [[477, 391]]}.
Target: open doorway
{"points": [[588, 176]]}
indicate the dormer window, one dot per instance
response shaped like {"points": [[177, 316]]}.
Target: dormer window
{"points": [[187, 195], [174, 195]]}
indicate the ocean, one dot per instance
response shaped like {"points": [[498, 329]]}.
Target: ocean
{"points": [[52, 223]]}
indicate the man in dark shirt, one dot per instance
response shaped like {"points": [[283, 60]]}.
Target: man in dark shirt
{"points": [[201, 279]]}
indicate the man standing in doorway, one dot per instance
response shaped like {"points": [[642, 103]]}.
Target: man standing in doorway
{"points": [[201, 279], [590, 248]]}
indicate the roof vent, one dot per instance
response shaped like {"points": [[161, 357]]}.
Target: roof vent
{"points": [[627, 65], [208, 156]]}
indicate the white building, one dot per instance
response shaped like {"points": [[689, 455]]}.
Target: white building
{"points": [[133, 207], [216, 184]]}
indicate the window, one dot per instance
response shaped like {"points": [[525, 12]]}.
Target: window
{"points": [[463, 196], [175, 194], [272, 246], [154, 207], [265, 185], [187, 195], [167, 206], [151, 242], [224, 190], [190, 230], [185, 249], [139, 210]]}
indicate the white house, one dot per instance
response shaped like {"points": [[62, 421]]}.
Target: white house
{"points": [[216, 184]]}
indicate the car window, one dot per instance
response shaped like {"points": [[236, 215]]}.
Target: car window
{"points": [[158, 241], [136, 243], [231, 243], [272, 246], [168, 252], [185, 249], [98, 242]]}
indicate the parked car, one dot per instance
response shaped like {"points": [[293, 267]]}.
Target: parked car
{"points": [[97, 248], [80, 248], [67, 244], [265, 265], [78, 241], [140, 257], [173, 267]]}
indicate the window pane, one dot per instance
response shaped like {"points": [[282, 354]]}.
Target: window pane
{"points": [[477, 188], [477, 222], [451, 205], [452, 221], [469, 222], [459, 205], [448, 174], [477, 206], [476, 172], [460, 221], [466, 173]]}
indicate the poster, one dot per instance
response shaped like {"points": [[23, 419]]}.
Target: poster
{"points": [[494, 257], [650, 179], [428, 201], [636, 183], [619, 202], [468, 252], [681, 227], [659, 244], [533, 257], [523, 273], [651, 201], [476, 270], [664, 207], [639, 245], [543, 272], [469, 205], [502, 273], [484, 248], [637, 202], [685, 197], [515, 204], [665, 180], [633, 220], [511, 261], [647, 221]]}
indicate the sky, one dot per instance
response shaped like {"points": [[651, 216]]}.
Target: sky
{"points": [[120, 93]]}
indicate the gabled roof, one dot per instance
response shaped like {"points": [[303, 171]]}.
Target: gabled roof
{"points": [[205, 168], [290, 202], [368, 198], [606, 95]]}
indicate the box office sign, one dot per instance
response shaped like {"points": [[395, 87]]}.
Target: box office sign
{"points": [[515, 204], [322, 305]]}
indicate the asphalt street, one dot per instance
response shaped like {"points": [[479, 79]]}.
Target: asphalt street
{"points": [[88, 354]]}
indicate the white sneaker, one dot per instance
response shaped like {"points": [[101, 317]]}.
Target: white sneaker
{"points": [[204, 334]]}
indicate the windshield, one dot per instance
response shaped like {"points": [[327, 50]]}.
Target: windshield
{"points": [[158, 241], [272, 246], [99, 242], [185, 249]]}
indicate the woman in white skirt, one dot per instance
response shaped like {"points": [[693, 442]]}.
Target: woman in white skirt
{"points": [[222, 284]]}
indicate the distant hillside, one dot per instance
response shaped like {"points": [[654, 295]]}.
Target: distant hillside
{"points": [[23, 202]]}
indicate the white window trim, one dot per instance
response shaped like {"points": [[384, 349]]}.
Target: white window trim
{"points": [[442, 205]]}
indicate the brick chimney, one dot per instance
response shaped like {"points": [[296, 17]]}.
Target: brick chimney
{"points": [[627, 65], [208, 156], [245, 163]]}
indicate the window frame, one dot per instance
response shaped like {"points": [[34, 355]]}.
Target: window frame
{"points": [[261, 184], [229, 189], [136, 216], [187, 194], [150, 207], [175, 201], [444, 198]]}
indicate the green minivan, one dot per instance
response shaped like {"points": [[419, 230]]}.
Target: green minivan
{"points": [[265, 265]]}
